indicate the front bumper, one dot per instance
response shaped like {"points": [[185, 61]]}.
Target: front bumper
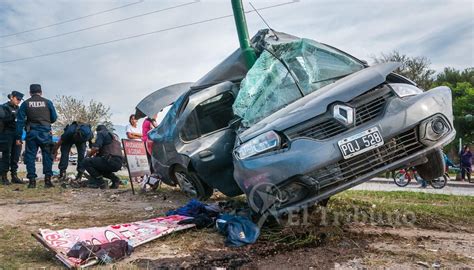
{"points": [[320, 158]]}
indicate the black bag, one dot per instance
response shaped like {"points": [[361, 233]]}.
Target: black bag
{"points": [[105, 253]]}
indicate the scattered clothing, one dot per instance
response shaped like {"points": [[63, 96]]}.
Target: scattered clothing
{"points": [[201, 221], [202, 215], [195, 208], [239, 230]]}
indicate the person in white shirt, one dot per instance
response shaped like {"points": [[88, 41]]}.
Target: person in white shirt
{"points": [[133, 131]]}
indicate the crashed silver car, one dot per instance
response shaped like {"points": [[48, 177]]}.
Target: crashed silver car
{"points": [[305, 122]]}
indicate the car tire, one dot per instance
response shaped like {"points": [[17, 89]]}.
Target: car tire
{"points": [[401, 178], [439, 182], [434, 168], [190, 183]]}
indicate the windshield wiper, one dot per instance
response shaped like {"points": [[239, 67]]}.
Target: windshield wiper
{"points": [[293, 76], [333, 78]]}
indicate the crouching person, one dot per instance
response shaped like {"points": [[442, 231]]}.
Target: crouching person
{"points": [[104, 159]]}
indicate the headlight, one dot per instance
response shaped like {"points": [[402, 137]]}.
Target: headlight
{"points": [[405, 90], [433, 129], [260, 144]]}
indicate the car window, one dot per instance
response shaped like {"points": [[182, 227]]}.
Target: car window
{"points": [[190, 129], [215, 113], [268, 86]]}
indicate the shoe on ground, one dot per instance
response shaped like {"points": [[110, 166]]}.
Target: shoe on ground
{"points": [[62, 176], [115, 182], [4, 180], [32, 183], [79, 176], [16, 179], [47, 182], [97, 183]]}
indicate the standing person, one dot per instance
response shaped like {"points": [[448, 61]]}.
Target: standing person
{"points": [[36, 115], [77, 134], [104, 159], [133, 131], [448, 163], [148, 124], [466, 163], [10, 152]]}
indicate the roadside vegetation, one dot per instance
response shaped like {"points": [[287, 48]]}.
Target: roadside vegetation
{"points": [[322, 227]]}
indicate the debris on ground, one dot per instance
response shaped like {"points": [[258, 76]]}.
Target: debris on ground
{"points": [[61, 242], [239, 230]]}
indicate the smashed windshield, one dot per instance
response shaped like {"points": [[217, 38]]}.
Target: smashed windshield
{"points": [[268, 86]]}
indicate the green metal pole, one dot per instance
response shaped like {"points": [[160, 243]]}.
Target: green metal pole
{"points": [[243, 33]]}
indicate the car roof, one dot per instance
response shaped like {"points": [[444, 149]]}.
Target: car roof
{"points": [[233, 68]]}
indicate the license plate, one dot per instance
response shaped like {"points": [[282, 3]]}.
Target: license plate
{"points": [[360, 143]]}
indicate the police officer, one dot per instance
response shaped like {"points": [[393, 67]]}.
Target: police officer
{"points": [[104, 159], [77, 134], [10, 152], [36, 115]]}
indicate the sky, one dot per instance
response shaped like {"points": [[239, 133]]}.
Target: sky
{"points": [[120, 74]]}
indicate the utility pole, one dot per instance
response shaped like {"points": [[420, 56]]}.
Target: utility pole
{"points": [[243, 33]]}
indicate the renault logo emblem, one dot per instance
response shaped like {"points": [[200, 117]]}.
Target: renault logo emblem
{"points": [[344, 114]]}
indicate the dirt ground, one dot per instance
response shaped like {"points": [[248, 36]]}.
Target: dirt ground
{"points": [[429, 243]]}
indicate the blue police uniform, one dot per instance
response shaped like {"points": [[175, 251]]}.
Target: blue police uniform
{"points": [[107, 161], [10, 151], [36, 115], [74, 134]]}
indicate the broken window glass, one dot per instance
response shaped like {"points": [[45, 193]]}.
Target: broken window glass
{"points": [[215, 113], [268, 85], [190, 130]]}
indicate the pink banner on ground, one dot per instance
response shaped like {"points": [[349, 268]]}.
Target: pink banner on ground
{"points": [[135, 233]]}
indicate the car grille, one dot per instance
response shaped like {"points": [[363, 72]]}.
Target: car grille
{"points": [[343, 171], [368, 106]]}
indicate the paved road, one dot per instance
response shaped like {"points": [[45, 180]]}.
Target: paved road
{"points": [[452, 188], [376, 184]]}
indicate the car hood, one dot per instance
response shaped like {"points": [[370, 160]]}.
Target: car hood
{"points": [[317, 102], [156, 101]]}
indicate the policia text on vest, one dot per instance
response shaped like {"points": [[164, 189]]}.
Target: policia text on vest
{"points": [[36, 115]]}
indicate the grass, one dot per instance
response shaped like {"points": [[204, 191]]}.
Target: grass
{"points": [[426, 207], [17, 249], [433, 211], [17, 193], [392, 209]]}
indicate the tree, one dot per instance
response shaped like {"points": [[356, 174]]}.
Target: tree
{"points": [[453, 76], [70, 109], [416, 69], [462, 87]]}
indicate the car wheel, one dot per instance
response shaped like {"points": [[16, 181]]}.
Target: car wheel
{"points": [[401, 178], [439, 182], [432, 169], [191, 185]]}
